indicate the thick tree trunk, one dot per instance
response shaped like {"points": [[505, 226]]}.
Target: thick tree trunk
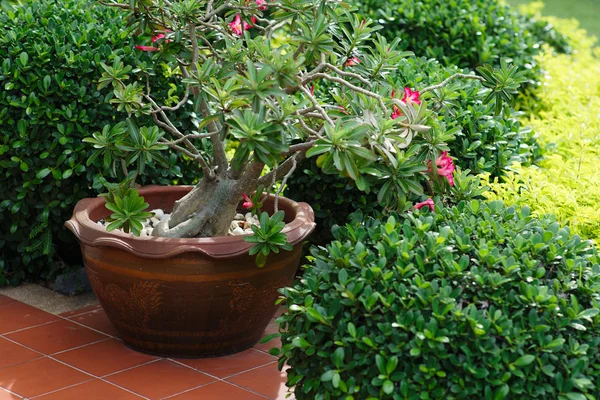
{"points": [[206, 211]]}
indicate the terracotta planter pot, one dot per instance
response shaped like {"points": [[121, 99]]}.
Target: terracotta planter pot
{"points": [[185, 297]]}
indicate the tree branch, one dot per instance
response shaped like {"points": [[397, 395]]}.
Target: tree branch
{"points": [[176, 106], [283, 182], [338, 71], [450, 79], [316, 104], [344, 82], [208, 173], [284, 168]]}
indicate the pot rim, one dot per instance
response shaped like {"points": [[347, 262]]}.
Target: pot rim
{"points": [[89, 233]]}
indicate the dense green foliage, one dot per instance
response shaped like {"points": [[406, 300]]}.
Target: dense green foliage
{"points": [[566, 183], [477, 301], [478, 140], [467, 33], [51, 54]]}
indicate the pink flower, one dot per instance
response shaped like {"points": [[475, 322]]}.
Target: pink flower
{"points": [[238, 26], [427, 203], [248, 203], [261, 4], [342, 109], [147, 48], [445, 167], [352, 61], [410, 96], [312, 90]]}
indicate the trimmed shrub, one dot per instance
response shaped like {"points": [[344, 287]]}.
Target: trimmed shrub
{"points": [[50, 56], [477, 301], [466, 33], [566, 183], [478, 140]]}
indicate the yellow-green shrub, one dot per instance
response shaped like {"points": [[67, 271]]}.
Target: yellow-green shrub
{"points": [[567, 182]]}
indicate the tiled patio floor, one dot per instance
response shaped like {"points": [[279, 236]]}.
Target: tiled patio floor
{"points": [[78, 356]]}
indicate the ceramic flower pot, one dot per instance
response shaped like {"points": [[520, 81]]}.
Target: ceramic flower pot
{"points": [[185, 297]]}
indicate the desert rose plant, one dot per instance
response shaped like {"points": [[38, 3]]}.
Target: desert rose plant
{"points": [[248, 73]]}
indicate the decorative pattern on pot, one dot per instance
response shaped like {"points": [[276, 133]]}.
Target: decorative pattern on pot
{"points": [[136, 305]]}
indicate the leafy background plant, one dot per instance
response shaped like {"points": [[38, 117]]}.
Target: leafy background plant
{"points": [[478, 300], [51, 54], [566, 182], [465, 33]]}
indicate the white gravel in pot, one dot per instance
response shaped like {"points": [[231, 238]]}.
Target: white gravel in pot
{"points": [[241, 224]]}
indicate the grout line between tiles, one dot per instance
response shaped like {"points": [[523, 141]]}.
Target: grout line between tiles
{"points": [[192, 368], [81, 313], [251, 369], [62, 388], [13, 393], [82, 346], [187, 390], [27, 347], [127, 369], [30, 327], [247, 389], [125, 389], [89, 327]]}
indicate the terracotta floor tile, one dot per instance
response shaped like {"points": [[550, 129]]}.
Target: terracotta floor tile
{"points": [[6, 395], [81, 310], [92, 390], [56, 336], [218, 391], [17, 315], [222, 367], [98, 320], [159, 379], [40, 376], [267, 380], [5, 300], [12, 353], [276, 342], [104, 358]]}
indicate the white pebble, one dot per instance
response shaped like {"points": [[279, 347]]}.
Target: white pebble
{"points": [[248, 215], [239, 217], [154, 221], [164, 217], [233, 225], [238, 231], [158, 213]]}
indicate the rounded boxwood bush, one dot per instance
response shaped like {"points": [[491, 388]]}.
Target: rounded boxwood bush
{"points": [[477, 301], [50, 55], [478, 141], [466, 33]]}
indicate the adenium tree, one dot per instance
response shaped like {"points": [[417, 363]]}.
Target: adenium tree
{"points": [[248, 71]]}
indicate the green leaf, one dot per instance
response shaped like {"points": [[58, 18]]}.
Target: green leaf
{"points": [[327, 376], [575, 396], [24, 58], [338, 357], [524, 360], [388, 387]]}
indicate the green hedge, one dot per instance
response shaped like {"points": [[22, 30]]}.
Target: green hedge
{"points": [[50, 55], [477, 301], [466, 33]]}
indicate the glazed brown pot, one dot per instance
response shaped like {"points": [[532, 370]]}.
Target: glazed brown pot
{"points": [[186, 297]]}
